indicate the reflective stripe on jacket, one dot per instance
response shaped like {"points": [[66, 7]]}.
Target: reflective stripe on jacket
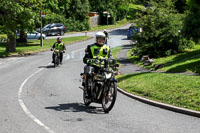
{"points": [[100, 51]]}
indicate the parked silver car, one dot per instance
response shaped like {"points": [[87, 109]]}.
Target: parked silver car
{"points": [[33, 35]]}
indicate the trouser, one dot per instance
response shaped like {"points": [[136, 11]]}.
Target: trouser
{"points": [[61, 57]]}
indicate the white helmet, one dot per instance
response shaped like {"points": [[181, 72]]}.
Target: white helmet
{"points": [[100, 34]]}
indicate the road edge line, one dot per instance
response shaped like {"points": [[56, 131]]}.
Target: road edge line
{"points": [[25, 109]]}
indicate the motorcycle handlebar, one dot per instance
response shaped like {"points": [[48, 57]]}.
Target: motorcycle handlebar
{"points": [[106, 61]]}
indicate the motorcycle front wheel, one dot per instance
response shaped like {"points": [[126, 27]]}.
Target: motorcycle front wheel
{"points": [[109, 97], [56, 61], [85, 99]]}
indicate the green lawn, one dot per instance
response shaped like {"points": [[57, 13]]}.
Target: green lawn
{"points": [[175, 89], [34, 45], [188, 61]]}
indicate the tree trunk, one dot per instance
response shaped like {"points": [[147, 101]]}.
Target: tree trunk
{"points": [[22, 37], [11, 45]]}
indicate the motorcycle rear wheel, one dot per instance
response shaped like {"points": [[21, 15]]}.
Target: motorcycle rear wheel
{"points": [[109, 98]]}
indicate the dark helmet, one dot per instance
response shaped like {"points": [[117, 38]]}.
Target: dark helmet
{"points": [[59, 39]]}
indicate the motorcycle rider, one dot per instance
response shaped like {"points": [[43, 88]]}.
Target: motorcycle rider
{"points": [[59, 45], [106, 33], [97, 50]]}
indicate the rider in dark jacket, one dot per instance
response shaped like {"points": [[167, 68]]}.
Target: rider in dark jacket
{"points": [[59, 45], [106, 33], [98, 49]]}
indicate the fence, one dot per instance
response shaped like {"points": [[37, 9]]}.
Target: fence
{"points": [[94, 21]]}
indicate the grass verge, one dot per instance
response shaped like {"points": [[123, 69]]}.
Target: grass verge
{"points": [[188, 61], [175, 89], [33, 46], [115, 51]]}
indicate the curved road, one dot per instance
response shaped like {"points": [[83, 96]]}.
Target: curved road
{"points": [[37, 98]]}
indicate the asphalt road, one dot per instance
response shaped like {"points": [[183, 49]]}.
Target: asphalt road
{"points": [[37, 98]]}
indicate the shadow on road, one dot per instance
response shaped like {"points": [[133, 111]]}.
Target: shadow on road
{"points": [[124, 60], [77, 107], [119, 32], [48, 66]]}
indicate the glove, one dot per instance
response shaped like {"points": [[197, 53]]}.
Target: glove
{"points": [[63, 51], [51, 49], [88, 61]]}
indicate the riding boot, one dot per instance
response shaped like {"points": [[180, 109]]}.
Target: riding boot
{"points": [[53, 57]]}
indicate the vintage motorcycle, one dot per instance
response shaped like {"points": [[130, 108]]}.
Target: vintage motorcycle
{"points": [[57, 57], [99, 83]]}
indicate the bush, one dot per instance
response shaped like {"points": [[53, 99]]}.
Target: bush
{"points": [[192, 25], [161, 34], [77, 25]]}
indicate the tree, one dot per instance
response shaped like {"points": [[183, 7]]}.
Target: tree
{"points": [[16, 14], [161, 34], [192, 20], [180, 5], [118, 9]]}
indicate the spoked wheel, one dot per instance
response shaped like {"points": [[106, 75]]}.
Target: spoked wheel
{"points": [[56, 61], [109, 98], [62, 33], [85, 99]]}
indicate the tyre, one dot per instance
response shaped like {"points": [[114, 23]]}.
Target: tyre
{"points": [[85, 99], [109, 97], [56, 60], [62, 33], [88, 83]]}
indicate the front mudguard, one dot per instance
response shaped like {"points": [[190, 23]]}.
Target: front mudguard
{"points": [[113, 80]]}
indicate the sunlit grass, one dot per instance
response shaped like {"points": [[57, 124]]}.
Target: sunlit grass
{"points": [[175, 89], [188, 61]]}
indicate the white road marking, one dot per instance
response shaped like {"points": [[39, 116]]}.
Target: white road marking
{"points": [[27, 112], [71, 54], [67, 56], [23, 106]]}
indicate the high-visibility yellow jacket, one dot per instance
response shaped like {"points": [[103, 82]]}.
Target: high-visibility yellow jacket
{"points": [[93, 51], [59, 46]]}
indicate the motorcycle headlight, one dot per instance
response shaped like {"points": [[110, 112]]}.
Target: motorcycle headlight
{"points": [[108, 75]]}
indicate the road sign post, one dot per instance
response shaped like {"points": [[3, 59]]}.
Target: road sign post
{"points": [[41, 38]]}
